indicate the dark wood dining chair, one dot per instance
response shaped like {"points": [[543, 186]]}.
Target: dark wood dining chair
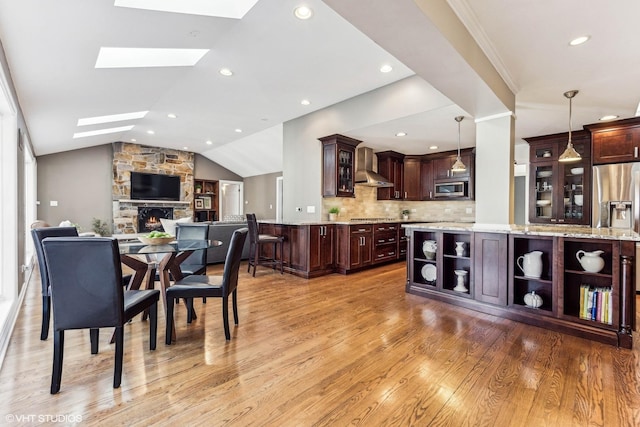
{"points": [[87, 293], [257, 256], [196, 286]]}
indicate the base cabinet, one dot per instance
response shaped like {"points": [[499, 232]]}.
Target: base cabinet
{"points": [[354, 245], [490, 263], [537, 279]]}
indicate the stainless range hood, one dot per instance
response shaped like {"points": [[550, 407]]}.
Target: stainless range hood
{"points": [[364, 170]]}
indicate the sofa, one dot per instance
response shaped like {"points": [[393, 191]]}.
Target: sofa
{"points": [[223, 230]]}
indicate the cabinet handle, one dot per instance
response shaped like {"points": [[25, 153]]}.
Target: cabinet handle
{"points": [[553, 220], [405, 194], [431, 194], [635, 152], [561, 220]]}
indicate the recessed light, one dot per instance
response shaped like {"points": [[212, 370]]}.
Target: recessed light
{"points": [[208, 142], [226, 72], [239, 130], [150, 132], [172, 116], [133, 140], [305, 102], [223, 9], [386, 68], [185, 148], [124, 57], [111, 118], [303, 12], [102, 131], [579, 40], [609, 117], [401, 134], [433, 147]]}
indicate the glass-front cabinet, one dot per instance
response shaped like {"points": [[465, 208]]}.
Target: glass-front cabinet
{"points": [[559, 193], [338, 166]]}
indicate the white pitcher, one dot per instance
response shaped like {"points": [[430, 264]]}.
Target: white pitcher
{"points": [[531, 264]]}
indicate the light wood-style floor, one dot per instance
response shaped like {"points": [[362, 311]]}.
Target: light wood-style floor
{"points": [[337, 350]]}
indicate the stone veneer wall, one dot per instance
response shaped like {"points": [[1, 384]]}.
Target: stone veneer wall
{"points": [[129, 157], [367, 205]]}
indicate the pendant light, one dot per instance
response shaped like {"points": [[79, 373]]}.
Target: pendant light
{"points": [[570, 154], [458, 166]]}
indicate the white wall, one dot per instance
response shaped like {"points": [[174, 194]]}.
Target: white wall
{"points": [[302, 152]]}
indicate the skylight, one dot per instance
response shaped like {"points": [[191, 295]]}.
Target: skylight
{"points": [[111, 118], [132, 57], [220, 8], [102, 131]]}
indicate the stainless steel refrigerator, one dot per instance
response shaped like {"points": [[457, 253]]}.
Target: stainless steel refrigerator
{"points": [[616, 200]]}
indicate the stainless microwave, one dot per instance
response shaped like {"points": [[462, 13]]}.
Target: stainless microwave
{"points": [[452, 189]]}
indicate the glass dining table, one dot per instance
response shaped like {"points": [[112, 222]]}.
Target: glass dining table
{"points": [[163, 259]]}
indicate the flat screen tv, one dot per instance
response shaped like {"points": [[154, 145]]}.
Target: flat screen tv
{"points": [[151, 186]]}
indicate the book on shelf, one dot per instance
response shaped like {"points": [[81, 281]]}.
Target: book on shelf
{"points": [[596, 304]]}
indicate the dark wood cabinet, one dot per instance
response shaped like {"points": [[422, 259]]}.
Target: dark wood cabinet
{"points": [[391, 166], [385, 240], [354, 246], [442, 166], [338, 165], [615, 142], [413, 170], [559, 294], [426, 180], [559, 193], [205, 200], [321, 248], [490, 263]]}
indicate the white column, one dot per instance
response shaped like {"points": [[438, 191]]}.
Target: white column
{"points": [[494, 171]]}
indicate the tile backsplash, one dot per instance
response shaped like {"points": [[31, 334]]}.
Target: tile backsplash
{"points": [[366, 205]]}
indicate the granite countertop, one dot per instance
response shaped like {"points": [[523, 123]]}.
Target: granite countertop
{"points": [[345, 222], [536, 230]]}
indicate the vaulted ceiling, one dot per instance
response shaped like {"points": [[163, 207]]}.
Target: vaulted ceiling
{"points": [[278, 60]]}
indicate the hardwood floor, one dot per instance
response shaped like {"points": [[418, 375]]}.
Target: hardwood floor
{"points": [[337, 350]]}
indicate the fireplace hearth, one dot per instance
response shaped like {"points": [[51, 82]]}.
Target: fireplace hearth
{"points": [[149, 218]]}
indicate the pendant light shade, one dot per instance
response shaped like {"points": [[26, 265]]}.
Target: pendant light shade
{"points": [[570, 154], [458, 166]]}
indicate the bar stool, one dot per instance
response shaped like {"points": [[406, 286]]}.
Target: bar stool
{"points": [[256, 240]]}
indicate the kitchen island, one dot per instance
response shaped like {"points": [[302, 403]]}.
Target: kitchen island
{"points": [[313, 249], [573, 279]]}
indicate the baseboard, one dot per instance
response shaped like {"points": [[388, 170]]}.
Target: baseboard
{"points": [[9, 315]]}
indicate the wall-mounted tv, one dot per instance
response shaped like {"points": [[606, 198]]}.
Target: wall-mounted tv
{"points": [[151, 186]]}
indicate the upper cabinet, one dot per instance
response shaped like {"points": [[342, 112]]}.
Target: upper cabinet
{"points": [[615, 142], [391, 166], [559, 193], [413, 170], [338, 165], [442, 166]]}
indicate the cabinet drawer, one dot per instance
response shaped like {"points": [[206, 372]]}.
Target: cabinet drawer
{"points": [[385, 227], [387, 252], [384, 238], [360, 229]]}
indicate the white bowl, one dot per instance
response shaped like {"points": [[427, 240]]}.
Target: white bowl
{"points": [[577, 199], [577, 171], [155, 240], [543, 202], [545, 174]]}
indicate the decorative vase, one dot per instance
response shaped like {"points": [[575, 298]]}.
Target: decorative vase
{"points": [[333, 216], [460, 248], [405, 217], [460, 285], [533, 300], [429, 248]]}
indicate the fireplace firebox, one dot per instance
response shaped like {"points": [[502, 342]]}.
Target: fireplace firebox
{"points": [[149, 218]]}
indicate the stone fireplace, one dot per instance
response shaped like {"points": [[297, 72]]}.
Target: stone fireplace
{"points": [[149, 218], [129, 157]]}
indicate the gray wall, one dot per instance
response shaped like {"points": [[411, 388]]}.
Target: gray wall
{"points": [[207, 169], [80, 181], [260, 195]]}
